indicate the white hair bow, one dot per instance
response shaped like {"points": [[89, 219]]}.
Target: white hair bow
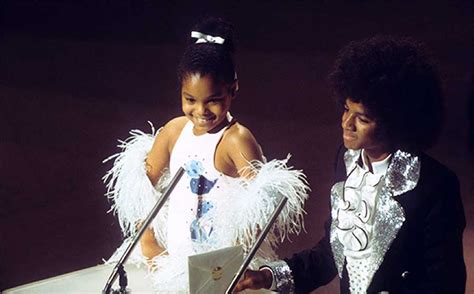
{"points": [[203, 38]]}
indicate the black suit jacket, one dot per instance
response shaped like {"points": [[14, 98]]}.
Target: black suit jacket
{"points": [[426, 255]]}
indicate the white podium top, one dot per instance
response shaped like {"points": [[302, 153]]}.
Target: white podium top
{"points": [[88, 280]]}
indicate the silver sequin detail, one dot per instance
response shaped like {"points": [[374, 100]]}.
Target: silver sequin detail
{"points": [[358, 270], [402, 176], [403, 173], [283, 276], [336, 245]]}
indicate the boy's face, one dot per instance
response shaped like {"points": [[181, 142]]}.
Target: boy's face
{"points": [[205, 102], [360, 130]]}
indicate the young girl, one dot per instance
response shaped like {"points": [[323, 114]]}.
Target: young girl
{"points": [[227, 192]]}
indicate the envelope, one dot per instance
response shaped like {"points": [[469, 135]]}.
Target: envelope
{"points": [[212, 272]]}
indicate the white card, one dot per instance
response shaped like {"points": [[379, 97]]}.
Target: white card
{"points": [[212, 272]]}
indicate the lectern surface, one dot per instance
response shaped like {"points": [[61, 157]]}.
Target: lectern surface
{"points": [[88, 280]]}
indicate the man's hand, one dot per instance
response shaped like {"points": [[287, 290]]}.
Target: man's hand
{"points": [[255, 280]]}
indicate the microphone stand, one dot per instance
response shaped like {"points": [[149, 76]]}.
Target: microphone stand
{"points": [[119, 269], [257, 244]]}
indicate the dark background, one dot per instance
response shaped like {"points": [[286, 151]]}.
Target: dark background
{"points": [[75, 76]]}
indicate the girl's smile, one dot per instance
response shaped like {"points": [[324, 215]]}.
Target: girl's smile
{"points": [[205, 102]]}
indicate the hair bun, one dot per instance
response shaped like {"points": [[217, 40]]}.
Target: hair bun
{"points": [[217, 27], [207, 53]]}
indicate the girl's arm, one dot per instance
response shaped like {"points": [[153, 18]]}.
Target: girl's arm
{"points": [[246, 209], [157, 162], [158, 157]]}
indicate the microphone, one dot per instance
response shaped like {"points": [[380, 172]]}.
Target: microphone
{"points": [[119, 269], [257, 244]]}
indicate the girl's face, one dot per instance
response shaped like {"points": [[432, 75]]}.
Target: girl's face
{"points": [[205, 102], [360, 131]]}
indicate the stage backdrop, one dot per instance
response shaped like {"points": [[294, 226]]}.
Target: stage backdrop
{"points": [[75, 77]]}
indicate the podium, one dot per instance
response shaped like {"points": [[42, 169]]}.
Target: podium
{"points": [[88, 280], [91, 280]]}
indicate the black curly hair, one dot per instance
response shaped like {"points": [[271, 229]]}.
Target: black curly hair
{"points": [[399, 86], [216, 60]]}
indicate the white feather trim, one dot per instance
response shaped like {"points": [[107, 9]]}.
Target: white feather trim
{"points": [[237, 217], [136, 257], [129, 188], [249, 205]]}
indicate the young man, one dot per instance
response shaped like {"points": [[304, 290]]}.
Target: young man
{"points": [[396, 214]]}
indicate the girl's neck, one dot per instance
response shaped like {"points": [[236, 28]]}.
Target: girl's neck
{"points": [[224, 123]]}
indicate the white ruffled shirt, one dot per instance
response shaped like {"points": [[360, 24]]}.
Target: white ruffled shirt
{"points": [[356, 219]]}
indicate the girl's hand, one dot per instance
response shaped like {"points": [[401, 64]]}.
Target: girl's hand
{"points": [[150, 247], [255, 280]]}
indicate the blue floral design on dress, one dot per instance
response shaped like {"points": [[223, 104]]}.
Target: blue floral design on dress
{"points": [[200, 185], [194, 168]]}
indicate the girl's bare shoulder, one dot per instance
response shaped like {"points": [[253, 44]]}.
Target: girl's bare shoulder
{"points": [[238, 134], [174, 127], [169, 133], [238, 147], [238, 140]]}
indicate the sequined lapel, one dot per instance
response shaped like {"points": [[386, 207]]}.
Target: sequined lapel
{"points": [[337, 248], [402, 176], [403, 173]]}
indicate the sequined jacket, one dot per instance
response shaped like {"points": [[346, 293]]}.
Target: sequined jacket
{"points": [[418, 232]]}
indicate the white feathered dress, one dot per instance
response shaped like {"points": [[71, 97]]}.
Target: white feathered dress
{"points": [[207, 210]]}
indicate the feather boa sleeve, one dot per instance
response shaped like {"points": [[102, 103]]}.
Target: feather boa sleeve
{"points": [[237, 217], [249, 205], [129, 188]]}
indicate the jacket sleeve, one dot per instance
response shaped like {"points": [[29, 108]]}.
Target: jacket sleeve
{"points": [[443, 227], [314, 267]]}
